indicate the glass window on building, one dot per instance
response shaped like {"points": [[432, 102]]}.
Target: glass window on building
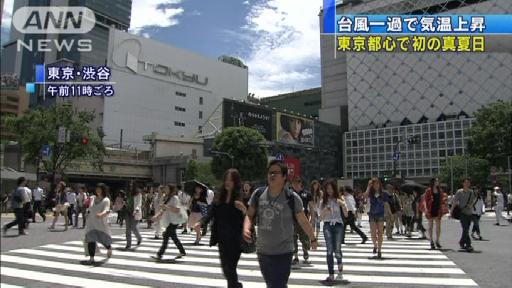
{"points": [[374, 150], [442, 153], [395, 139], [349, 135], [432, 127], [424, 137], [433, 135], [367, 142], [367, 134], [434, 153], [434, 163], [450, 152], [349, 144], [381, 132], [441, 135], [425, 145], [361, 150], [361, 160], [449, 134], [435, 171], [409, 130], [417, 129], [368, 158], [442, 162], [449, 125], [381, 157], [458, 133], [381, 141], [395, 131], [459, 151], [426, 163], [426, 171], [418, 154], [410, 172], [354, 143], [360, 135], [374, 133], [433, 145], [426, 154], [388, 132], [440, 126], [374, 141], [466, 124], [419, 172], [389, 148], [449, 143], [388, 140], [381, 148], [354, 159], [418, 163], [458, 143], [360, 142], [367, 150], [457, 125], [442, 144]]}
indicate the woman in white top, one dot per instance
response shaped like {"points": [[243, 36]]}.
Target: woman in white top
{"points": [[133, 215], [175, 215], [316, 193], [478, 210], [97, 228], [332, 205]]}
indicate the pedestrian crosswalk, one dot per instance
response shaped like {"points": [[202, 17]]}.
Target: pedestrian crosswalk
{"points": [[406, 263]]}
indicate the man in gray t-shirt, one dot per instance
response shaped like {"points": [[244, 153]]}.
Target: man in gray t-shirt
{"points": [[275, 222], [465, 198]]}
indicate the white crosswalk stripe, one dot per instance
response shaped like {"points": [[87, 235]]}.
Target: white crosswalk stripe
{"points": [[406, 263]]}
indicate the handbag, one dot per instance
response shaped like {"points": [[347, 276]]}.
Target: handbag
{"points": [[249, 247], [456, 212]]}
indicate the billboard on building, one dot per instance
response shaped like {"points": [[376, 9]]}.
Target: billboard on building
{"points": [[235, 114], [292, 129]]}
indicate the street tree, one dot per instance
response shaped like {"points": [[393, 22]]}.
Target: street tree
{"points": [[491, 133], [192, 170], [242, 144], [461, 166], [40, 126]]}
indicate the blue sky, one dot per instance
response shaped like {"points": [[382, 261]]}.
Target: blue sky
{"points": [[277, 39]]}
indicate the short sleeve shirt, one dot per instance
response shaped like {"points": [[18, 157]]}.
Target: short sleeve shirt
{"points": [[275, 222], [465, 200]]}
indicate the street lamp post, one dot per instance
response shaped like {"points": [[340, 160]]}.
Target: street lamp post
{"points": [[225, 154]]}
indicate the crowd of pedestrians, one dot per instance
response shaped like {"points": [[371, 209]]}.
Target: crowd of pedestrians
{"points": [[270, 220]]}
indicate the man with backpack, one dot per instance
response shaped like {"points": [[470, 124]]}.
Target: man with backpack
{"points": [[276, 208], [18, 199]]}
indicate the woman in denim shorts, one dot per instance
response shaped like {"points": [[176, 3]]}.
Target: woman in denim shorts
{"points": [[379, 202]]}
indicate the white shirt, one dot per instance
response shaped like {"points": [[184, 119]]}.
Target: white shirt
{"points": [[38, 194], [209, 197], [499, 199], [184, 198], [350, 202], [479, 207], [71, 196], [29, 194]]}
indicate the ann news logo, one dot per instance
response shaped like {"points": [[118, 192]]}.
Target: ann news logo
{"points": [[54, 20]]}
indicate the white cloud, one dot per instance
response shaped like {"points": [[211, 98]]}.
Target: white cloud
{"points": [[7, 14], [246, 2], [285, 54], [159, 13]]}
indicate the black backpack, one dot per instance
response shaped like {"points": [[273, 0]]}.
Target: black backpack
{"points": [[289, 198]]}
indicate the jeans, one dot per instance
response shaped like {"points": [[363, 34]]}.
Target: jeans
{"points": [[19, 219], [131, 226], [476, 224], [170, 232], [276, 269], [333, 235], [78, 211], [229, 256], [465, 221], [38, 209], [350, 221], [71, 209]]}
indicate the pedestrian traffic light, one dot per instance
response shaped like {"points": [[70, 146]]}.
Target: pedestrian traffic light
{"points": [[85, 140]]}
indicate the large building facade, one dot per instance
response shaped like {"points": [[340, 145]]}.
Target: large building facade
{"points": [[388, 94], [163, 89]]}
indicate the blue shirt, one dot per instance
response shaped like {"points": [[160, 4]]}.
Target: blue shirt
{"points": [[377, 205]]}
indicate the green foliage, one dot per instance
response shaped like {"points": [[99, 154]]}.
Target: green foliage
{"points": [[465, 166], [40, 126], [205, 174], [491, 133], [192, 170], [242, 143]]}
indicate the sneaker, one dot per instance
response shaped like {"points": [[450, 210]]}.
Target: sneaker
{"points": [[127, 247], [196, 243], [374, 250], [339, 277], [157, 257], [379, 255], [329, 279], [364, 240], [156, 237], [470, 249], [438, 245], [23, 233], [432, 245], [306, 262], [480, 238], [184, 232], [180, 255], [295, 262], [139, 241], [473, 236], [497, 224]]}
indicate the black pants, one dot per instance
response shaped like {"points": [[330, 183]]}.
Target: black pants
{"points": [[229, 255], [19, 219], [476, 224], [465, 222], [350, 221], [91, 246], [170, 232], [38, 208], [71, 209]]}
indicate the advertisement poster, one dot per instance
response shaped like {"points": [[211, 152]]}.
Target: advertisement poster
{"points": [[294, 130]]}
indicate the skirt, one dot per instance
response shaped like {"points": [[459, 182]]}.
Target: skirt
{"points": [[194, 218], [98, 236]]}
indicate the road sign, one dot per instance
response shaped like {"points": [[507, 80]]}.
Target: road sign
{"points": [[396, 156], [279, 157], [46, 151], [62, 135]]}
